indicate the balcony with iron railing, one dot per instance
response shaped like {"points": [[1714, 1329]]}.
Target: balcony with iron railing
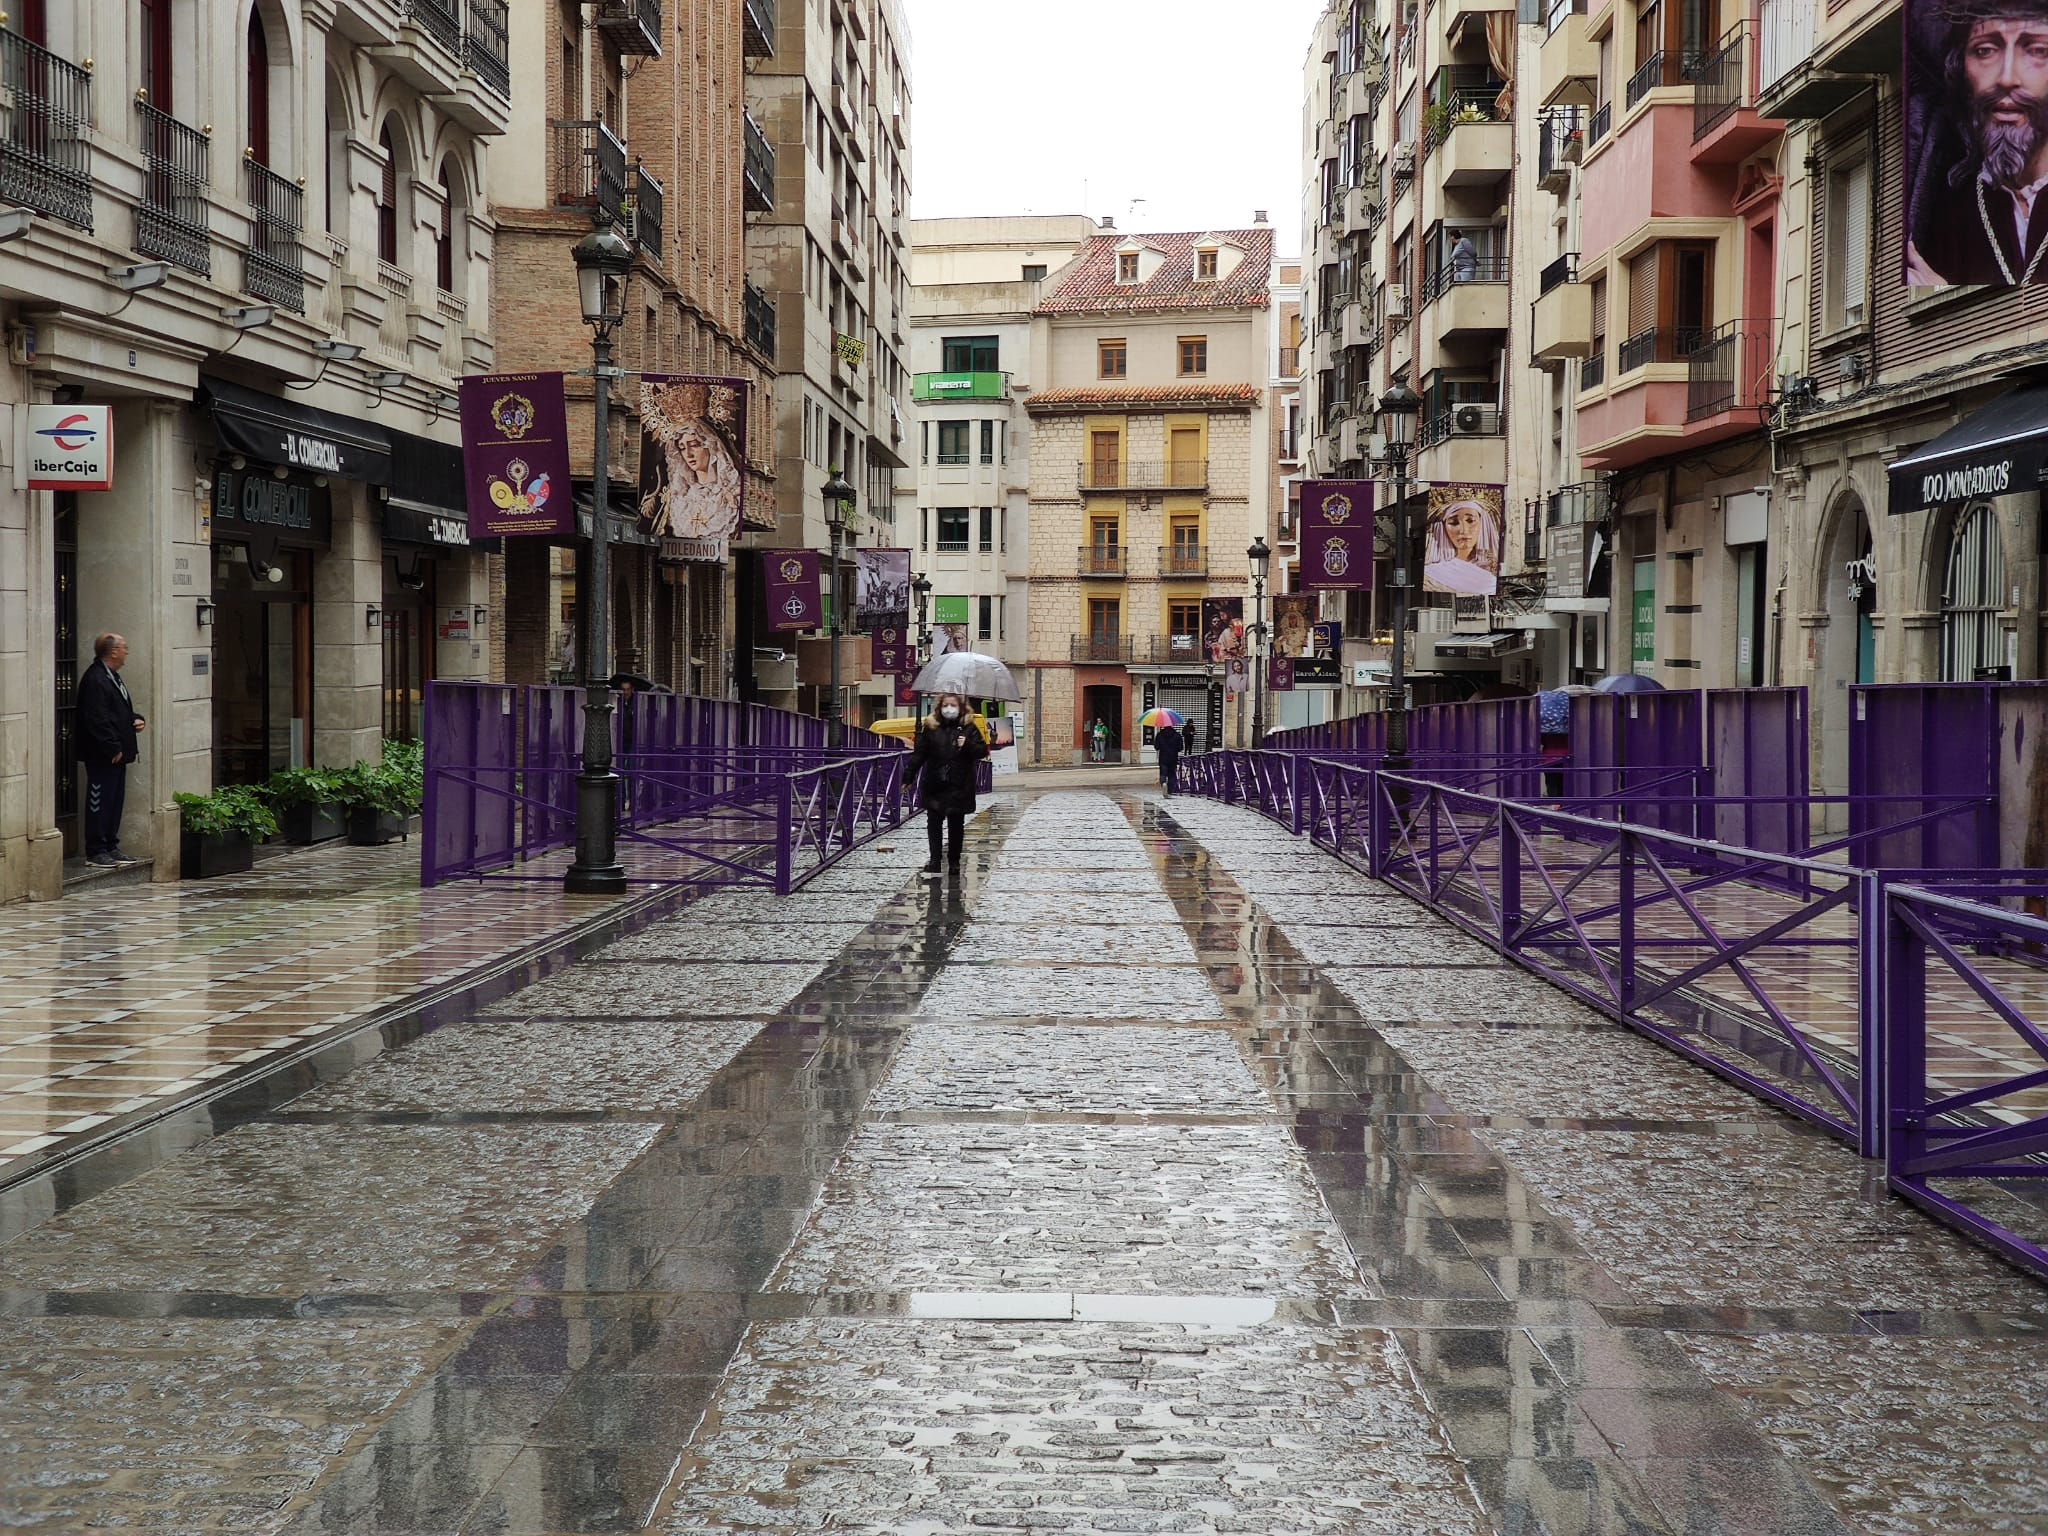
{"points": [[1593, 371], [1809, 65], [441, 20], [274, 266], [1453, 273], [590, 167], [1567, 61], [760, 321], [1561, 319], [1730, 370], [171, 217], [1657, 344], [45, 114], [631, 26], [1103, 648], [1726, 127], [643, 212], [1104, 560], [1458, 419], [758, 167], [1560, 145], [1183, 560], [1665, 67], [1678, 387], [1138, 475], [758, 28], [1598, 125], [487, 45]]}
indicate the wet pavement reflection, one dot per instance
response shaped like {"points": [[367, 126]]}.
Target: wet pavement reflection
{"points": [[1158, 1175]]}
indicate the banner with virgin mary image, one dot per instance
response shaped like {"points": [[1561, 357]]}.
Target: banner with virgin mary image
{"points": [[1462, 539], [693, 455]]}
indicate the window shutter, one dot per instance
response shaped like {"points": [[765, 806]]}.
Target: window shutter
{"points": [[1855, 247], [1642, 292]]}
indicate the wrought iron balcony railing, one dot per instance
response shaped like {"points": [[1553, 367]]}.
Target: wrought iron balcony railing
{"points": [[590, 167], [170, 221], [1659, 344], [1172, 475], [759, 167], [1104, 560], [45, 109], [1560, 143], [1453, 274], [1730, 369], [643, 207], [1561, 271], [487, 45], [1183, 559], [760, 321], [439, 19], [758, 29], [1107, 648], [1459, 419], [274, 268], [1593, 370], [633, 26], [1721, 82], [1602, 120]]}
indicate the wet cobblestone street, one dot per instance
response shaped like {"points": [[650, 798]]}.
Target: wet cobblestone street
{"points": [[1161, 1175]]}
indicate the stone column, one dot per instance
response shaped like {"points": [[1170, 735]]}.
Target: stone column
{"points": [[348, 655]]}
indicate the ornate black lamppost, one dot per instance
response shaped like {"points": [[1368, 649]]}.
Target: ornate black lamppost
{"points": [[1398, 409]]}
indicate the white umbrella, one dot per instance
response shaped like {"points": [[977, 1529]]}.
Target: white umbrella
{"points": [[968, 673]]}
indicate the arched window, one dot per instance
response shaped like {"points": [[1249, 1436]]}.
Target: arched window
{"points": [[444, 239], [387, 201], [259, 89], [1972, 639]]}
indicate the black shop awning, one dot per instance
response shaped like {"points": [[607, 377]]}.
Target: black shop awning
{"points": [[276, 431], [1996, 452], [1480, 647]]}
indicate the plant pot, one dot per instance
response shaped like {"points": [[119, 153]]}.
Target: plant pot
{"points": [[368, 828], [218, 853], [310, 823]]}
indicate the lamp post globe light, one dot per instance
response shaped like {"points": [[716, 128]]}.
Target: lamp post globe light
{"points": [[603, 258], [1261, 558], [1398, 409], [838, 496]]}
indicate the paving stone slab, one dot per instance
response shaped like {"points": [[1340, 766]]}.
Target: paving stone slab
{"points": [[1101, 943], [690, 937], [1503, 995], [297, 1209], [635, 1066], [1080, 885], [798, 906], [646, 989], [1036, 907], [1187, 1208], [1168, 994], [935, 1429], [185, 1425], [1600, 1074], [1777, 1220], [975, 1067]]}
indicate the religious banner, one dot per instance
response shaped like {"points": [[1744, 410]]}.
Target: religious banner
{"points": [[693, 455], [515, 456], [891, 648], [1280, 674], [1336, 535], [1294, 624], [792, 595], [1237, 676], [1462, 539], [881, 601], [1223, 628]]}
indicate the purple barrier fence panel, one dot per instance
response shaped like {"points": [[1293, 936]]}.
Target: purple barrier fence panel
{"points": [[1757, 766], [469, 735], [1931, 743], [1974, 1156]]}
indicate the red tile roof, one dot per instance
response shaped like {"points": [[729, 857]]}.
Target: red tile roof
{"points": [[1137, 396], [1088, 285]]}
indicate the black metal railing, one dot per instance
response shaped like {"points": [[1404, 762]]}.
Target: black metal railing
{"points": [[633, 26], [1183, 559], [1458, 419], [439, 19], [1455, 274], [643, 206], [1659, 344], [1648, 76], [1597, 125], [1730, 369], [170, 221], [1532, 532], [1561, 271], [274, 268], [1104, 648], [1560, 142], [1721, 83], [759, 28], [1477, 104], [590, 167], [1593, 370], [759, 167], [1585, 501], [45, 109], [1104, 560], [1157, 475], [487, 45], [1369, 343], [760, 321]]}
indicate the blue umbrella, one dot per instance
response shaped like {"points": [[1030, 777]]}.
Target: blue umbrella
{"points": [[1629, 682]]}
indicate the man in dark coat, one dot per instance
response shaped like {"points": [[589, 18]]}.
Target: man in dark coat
{"points": [[948, 746], [1167, 744], [1978, 213], [108, 728]]}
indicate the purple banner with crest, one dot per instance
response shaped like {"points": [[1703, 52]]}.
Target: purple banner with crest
{"points": [[792, 596], [1280, 674], [515, 456], [1336, 535]]}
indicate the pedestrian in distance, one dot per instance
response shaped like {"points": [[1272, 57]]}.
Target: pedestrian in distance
{"points": [[108, 732], [942, 761], [1167, 744], [1464, 260]]}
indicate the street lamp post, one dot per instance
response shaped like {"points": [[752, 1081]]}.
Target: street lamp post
{"points": [[1398, 409], [1260, 557], [838, 499], [921, 588], [603, 258]]}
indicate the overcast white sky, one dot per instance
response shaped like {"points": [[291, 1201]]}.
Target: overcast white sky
{"points": [[1082, 106]]}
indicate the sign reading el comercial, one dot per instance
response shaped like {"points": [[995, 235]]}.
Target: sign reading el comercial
{"points": [[70, 448]]}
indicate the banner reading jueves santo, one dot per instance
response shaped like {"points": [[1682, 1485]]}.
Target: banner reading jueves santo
{"points": [[515, 455], [1336, 535], [792, 596], [693, 455]]}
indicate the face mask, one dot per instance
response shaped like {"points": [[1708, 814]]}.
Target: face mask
{"points": [[949, 713]]}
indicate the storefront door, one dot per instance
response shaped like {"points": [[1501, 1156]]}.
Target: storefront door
{"points": [[408, 642], [263, 664]]}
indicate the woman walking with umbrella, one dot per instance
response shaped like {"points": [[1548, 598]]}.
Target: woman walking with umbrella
{"points": [[948, 746], [1166, 742]]}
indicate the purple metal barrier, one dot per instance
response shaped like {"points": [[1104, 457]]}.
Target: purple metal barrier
{"points": [[1757, 772], [1984, 1133], [472, 731], [1932, 743]]}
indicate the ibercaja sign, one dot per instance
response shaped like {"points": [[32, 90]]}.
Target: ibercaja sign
{"points": [[69, 448]]}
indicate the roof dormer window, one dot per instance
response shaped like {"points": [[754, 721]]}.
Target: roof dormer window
{"points": [[1127, 266], [1205, 264]]}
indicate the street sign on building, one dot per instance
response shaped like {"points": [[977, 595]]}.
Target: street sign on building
{"points": [[69, 448]]}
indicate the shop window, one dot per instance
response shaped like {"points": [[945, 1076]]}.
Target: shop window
{"points": [[1972, 637]]}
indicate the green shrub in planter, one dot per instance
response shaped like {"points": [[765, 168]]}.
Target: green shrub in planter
{"points": [[406, 763], [307, 802], [375, 800], [219, 831]]}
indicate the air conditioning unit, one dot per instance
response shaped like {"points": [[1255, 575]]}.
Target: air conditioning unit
{"points": [[1397, 301], [1404, 155], [1468, 419]]}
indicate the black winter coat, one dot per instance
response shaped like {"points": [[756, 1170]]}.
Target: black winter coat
{"points": [[1167, 745], [946, 755], [106, 718]]}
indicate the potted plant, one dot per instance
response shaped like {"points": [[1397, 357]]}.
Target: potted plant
{"points": [[1436, 121], [374, 802], [407, 762], [307, 803], [218, 832]]}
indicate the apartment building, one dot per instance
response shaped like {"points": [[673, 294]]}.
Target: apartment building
{"points": [[827, 247], [1151, 469], [1307, 705], [635, 114], [966, 517], [258, 238]]}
